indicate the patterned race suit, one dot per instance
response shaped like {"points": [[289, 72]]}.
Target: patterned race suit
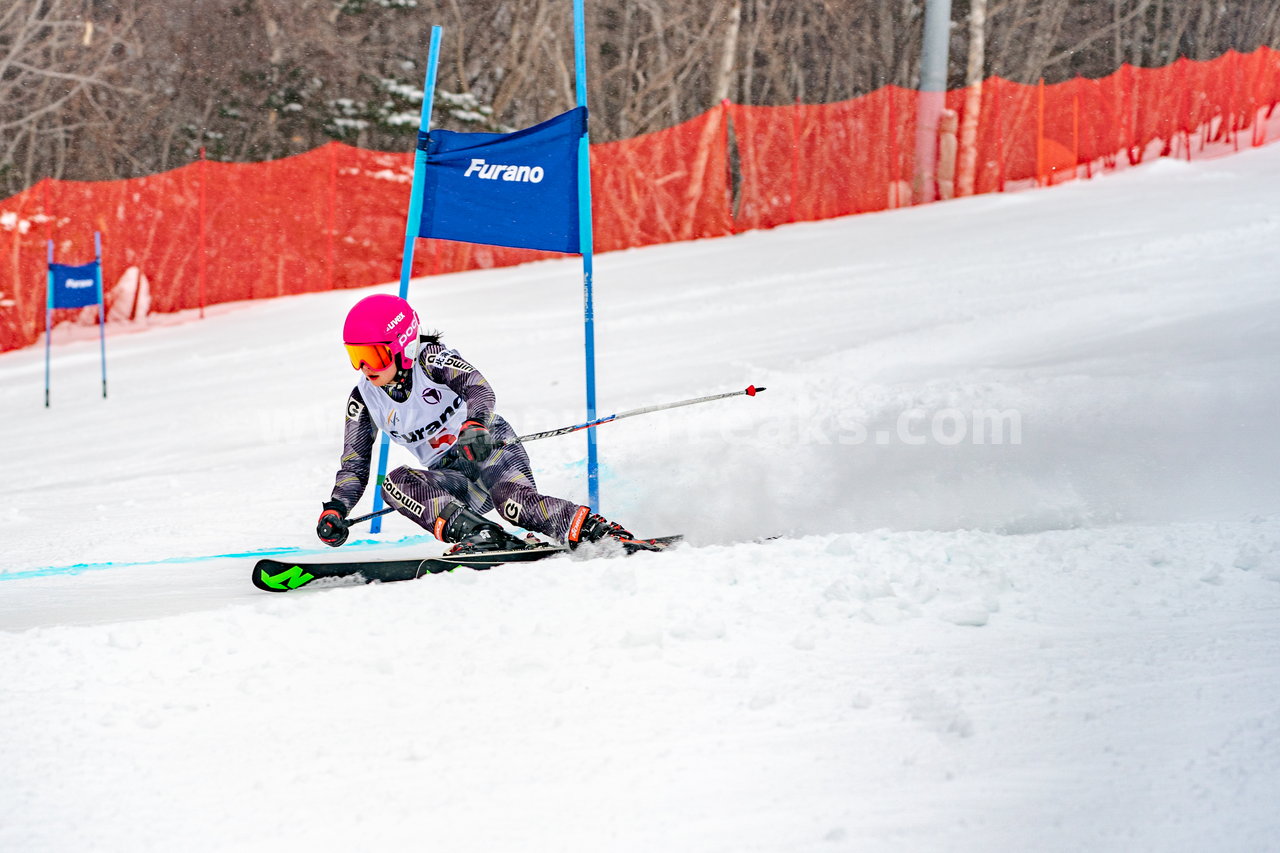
{"points": [[443, 391]]}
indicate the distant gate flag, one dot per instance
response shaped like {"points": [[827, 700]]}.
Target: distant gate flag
{"points": [[505, 189], [73, 287]]}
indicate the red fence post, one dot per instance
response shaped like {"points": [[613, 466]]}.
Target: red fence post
{"points": [[1040, 175], [891, 117], [1187, 101], [793, 114], [45, 208], [999, 120], [1235, 113], [200, 257], [333, 213], [1075, 131]]}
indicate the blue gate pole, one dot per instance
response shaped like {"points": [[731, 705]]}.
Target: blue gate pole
{"points": [[102, 309], [410, 236], [48, 322], [586, 244]]}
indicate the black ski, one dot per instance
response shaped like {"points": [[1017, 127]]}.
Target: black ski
{"points": [[480, 560], [283, 575]]}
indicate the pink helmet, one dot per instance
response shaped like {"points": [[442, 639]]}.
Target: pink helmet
{"points": [[382, 319]]}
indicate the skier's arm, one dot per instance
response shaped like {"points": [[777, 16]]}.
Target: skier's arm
{"points": [[452, 370], [357, 454]]}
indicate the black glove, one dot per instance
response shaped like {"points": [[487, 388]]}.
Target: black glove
{"points": [[474, 442], [332, 526]]}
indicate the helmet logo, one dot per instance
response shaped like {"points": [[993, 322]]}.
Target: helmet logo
{"points": [[408, 336], [393, 323]]}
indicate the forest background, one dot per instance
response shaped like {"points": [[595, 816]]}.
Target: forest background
{"points": [[107, 89]]}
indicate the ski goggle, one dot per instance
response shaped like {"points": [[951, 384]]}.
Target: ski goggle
{"points": [[377, 356]]}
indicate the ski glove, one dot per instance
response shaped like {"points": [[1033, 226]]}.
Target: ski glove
{"points": [[475, 444], [332, 526]]}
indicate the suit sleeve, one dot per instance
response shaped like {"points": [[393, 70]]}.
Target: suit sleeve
{"points": [[357, 453], [448, 368]]}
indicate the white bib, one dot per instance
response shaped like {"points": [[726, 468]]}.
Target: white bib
{"points": [[427, 423]]}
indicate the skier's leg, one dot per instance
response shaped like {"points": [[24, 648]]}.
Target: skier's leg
{"points": [[448, 504], [508, 476], [423, 495]]}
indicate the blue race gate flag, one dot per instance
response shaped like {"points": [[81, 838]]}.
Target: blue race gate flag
{"points": [[505, 189], [73, 287]]}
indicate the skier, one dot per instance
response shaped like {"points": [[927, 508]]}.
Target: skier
{"points": [[430, 400]]}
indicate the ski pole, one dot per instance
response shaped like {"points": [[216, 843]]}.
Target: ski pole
{"points": [[749, 391], [360, 518]]}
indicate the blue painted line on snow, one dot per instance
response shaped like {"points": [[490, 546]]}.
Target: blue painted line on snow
{"points": [[77, 568], [606, 475]]}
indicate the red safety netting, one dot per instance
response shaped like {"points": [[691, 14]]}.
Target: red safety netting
{"points": [[662, 187], [808, 162], [334, 217]]}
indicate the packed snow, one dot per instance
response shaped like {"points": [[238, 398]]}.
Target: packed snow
{"points": [[994, 564]]}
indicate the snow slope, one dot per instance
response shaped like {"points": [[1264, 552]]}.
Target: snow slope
{"points": [[1020, 450]]}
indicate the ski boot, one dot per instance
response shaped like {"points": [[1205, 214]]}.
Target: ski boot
{"points": [[588, 526], [472, 533]]}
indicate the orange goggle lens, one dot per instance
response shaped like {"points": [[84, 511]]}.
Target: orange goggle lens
{"points": [[377, 356]]}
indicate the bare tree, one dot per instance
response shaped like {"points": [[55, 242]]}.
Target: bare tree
{"points": [[62, 91], [97, 89], [974, 75]]}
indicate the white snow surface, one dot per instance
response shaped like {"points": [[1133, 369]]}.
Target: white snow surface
{"points": [[1061, 634]]}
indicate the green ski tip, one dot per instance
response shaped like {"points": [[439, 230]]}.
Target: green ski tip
{"points": [[288, 579]]}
